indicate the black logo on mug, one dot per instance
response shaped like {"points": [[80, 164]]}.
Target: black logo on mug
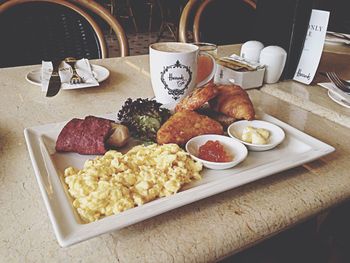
{"points": [[176, 79]]}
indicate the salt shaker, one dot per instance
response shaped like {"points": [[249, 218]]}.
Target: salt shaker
{"points": [[274, 58], [251, 50]]}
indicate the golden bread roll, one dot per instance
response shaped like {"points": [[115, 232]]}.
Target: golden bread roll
{"points": [[184, 125], [197, 98], [233, 101]]}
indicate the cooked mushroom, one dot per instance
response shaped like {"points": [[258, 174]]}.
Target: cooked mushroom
{"points": [[119, 135]]}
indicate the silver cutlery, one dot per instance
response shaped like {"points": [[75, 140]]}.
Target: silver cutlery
{"points": [[339, 83], [55, 80], [75, 79], [343, 93], [339, 35], [340, 80]]}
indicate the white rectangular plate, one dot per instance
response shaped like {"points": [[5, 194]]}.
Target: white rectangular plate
{"points": [[297, 148]]}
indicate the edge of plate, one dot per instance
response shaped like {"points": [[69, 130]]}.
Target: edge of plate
{"points": [[101, 68], [333, 96], [61, 240], [107, 224]]}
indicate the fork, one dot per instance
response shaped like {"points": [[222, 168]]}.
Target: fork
{"points": [[346, 83], [75, 79], [340, 35], [341, 84]]}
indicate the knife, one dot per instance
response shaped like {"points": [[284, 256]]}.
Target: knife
{"points": [[55, 80], [339, 35]]}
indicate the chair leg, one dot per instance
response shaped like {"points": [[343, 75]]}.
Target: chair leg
{"points": [[131, 14], [172, 31], [113, 12], [113, 9], [168, 26], [165, 24], [150, 17], [161, 31]]}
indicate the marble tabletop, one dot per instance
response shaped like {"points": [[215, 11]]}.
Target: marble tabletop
{"points": [[313, 97], [204, 231]]}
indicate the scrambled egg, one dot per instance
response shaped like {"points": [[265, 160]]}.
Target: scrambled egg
{"points": [[255, 135], [115, 182]]}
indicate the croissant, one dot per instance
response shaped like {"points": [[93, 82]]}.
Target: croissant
{"points": [[184, 125], [197, 98], [233, 101]]}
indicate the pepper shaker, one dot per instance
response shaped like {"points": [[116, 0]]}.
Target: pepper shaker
{"points": [[250, 50], [274, 59]]}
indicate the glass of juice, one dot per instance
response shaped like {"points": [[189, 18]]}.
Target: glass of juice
{"points": [[205, 64]]}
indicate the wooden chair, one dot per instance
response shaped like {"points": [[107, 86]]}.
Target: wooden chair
{"points": [[39, 30], [99, 10], [170, 11], [196, 9], [125, 10], [185, 17], [150, 4]]}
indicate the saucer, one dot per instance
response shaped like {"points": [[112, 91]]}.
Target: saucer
{"points": [[336, 98], [99, 72], [277, 135], [236, 149]]}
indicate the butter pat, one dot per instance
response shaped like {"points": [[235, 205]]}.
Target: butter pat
{"points": [[253, 135]]}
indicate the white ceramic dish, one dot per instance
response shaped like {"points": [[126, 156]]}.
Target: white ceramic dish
{"points": [[298, 148], [231, 146], [277, 135], [336, 98], [100, 73]]}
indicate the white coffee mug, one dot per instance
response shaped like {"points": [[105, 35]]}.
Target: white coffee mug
{"points": [[173, 68], [274, 58], [250, 50]]}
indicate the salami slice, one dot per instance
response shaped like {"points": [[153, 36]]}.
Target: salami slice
{"points": [[86, 136]]}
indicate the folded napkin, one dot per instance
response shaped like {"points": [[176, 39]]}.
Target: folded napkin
{"points": [[83, 68]]}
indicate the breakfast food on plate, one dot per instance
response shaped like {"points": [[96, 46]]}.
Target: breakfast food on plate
{"points": [[120, 135], [143, 117], [223, 119], [214, 151], [90, 136], [227, 103], [255, 135], [233, 101], [115, 182], [184, 125], [197, 98]]}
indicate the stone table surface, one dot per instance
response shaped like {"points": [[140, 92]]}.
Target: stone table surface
{"points": [[203, 231], [313, 98]]}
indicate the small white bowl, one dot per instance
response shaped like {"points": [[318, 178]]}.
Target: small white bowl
{"points": [[277, 135], [238, 151]]}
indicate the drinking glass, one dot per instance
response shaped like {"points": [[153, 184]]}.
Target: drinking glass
{"points": [[205, 64]]}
